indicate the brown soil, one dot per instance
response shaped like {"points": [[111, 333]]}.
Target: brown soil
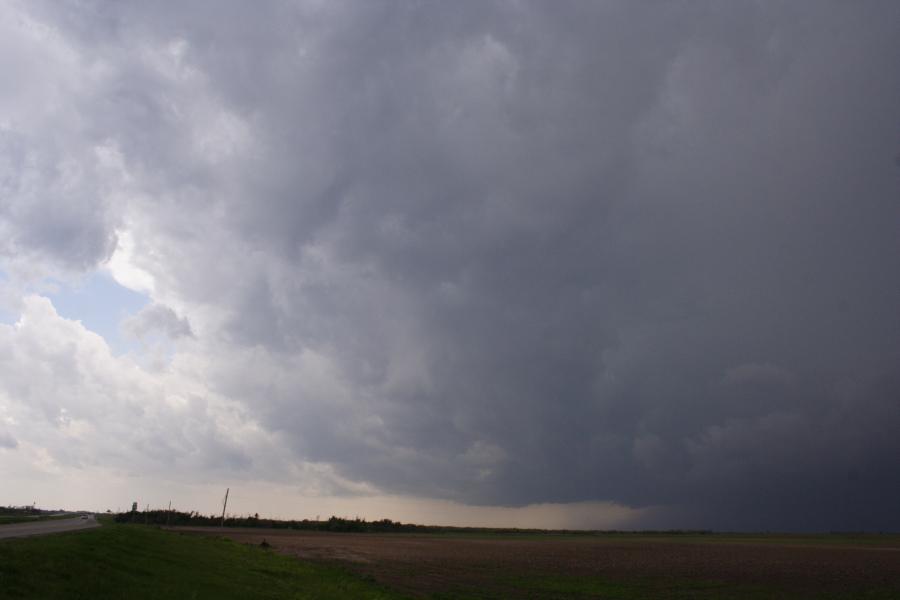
{"points": [[423, 564]]}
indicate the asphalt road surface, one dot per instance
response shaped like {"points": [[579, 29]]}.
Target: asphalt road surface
{"points": [[44, 527]]}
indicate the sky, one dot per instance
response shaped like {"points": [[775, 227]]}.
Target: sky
{"points": [[576, 264]]}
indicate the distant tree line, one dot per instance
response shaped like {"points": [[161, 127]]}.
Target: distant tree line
{"points": [[10, 511], [358, 525], [337, 524]]}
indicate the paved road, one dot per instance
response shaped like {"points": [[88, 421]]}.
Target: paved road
{"points": [[44, 527]]}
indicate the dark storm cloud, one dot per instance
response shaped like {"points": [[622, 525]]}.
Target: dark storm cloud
{"points": [[550, 252]]}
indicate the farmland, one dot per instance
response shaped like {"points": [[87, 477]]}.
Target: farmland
{"points": [[124, 560], [602, 565]]}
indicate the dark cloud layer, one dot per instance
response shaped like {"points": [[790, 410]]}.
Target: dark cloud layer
{"points": [[513, 252]]}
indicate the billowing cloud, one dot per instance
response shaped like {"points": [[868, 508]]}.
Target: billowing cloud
{"points": [[489, 252], [63, 391]]}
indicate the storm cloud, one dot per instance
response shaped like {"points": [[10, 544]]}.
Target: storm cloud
{"points": [[500, 253]]}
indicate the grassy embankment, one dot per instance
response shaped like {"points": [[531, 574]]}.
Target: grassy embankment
{"points": [[10, 519], [28, 514], [131, 561]]}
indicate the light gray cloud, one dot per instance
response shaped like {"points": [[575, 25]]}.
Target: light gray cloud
{"points": [[513, 253], [85, 407], [7, 440], [157, 318], [53, 169]]}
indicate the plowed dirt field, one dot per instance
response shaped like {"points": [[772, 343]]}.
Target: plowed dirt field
{"points": [[602, 566]]}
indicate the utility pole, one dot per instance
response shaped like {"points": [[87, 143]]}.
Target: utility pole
{"points": [[225, 505], [168, 513]]}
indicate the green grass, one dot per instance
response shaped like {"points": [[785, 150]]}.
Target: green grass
{"points": [[131, 561], [9, 519]]}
